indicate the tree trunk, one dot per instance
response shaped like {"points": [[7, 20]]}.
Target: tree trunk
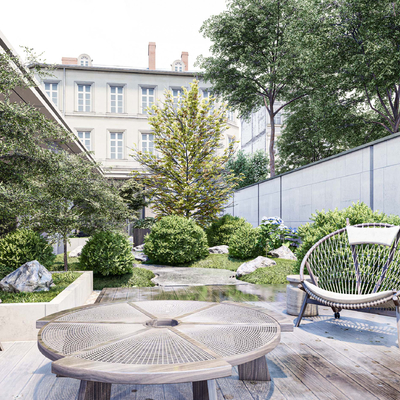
{"points": [[65, 241], [272, 144]]}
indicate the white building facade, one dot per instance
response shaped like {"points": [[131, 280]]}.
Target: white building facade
{"points": [[106, 106]]}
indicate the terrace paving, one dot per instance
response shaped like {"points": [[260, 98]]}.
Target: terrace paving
{"points": [[355, 357]]}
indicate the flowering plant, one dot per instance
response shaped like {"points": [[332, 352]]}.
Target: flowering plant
{"points": [[276, 232]]}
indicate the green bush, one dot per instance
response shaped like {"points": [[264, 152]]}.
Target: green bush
{"points": [[175, 240], [325, 222], [107, 253], [247, 242], [21, 246], [222, 229]]}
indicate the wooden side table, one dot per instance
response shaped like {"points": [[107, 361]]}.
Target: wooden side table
{"points": [[157, 342]]}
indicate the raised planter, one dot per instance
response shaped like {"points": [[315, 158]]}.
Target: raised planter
{"points": [[18, 320], [295, 297]]}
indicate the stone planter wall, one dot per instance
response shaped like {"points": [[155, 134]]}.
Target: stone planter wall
{"points": [[18, 320]]}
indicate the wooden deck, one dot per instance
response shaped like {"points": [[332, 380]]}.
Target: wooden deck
{"points": [[355, 357]]}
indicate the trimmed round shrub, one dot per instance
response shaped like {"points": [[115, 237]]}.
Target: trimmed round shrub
{"points": [[21, 246], [325, 222], [247, 242], [175, 240], [222, 229], [107, 253]]}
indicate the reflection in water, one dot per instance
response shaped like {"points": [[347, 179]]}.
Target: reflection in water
{"points": [[238, 293]]}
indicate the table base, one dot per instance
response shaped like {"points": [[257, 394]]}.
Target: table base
{"points": [[256, 370]]}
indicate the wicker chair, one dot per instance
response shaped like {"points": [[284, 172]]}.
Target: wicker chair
{"points": [[356, 268]]}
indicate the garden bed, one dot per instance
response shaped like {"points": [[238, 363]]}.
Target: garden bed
{"points": [[18, 320]]}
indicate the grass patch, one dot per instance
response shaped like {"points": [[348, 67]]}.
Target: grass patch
{"points": [[61, 280], [217, 261], [271, 275], [139, 277]]}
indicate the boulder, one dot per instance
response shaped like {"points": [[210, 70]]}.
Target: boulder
{"points": [[140, 256], [223, 249], [30, 277], [76, 252], [139, 248], [250, 266], [283, 252]]}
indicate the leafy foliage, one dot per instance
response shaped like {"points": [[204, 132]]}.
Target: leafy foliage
{"points": [[188, 178], [247, 242], [107, 253], [134, 195], [175, 240], [21, 246], [275, 233], [252, 168], [325, 222], [145, 223], [255, 57], [221, 229]]}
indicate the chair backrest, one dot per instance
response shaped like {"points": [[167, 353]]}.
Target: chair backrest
{"points": [[363, 268]]}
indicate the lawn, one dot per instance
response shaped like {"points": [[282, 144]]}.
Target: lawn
{"points": [[61, 280], [139, 277], [269, 275]]}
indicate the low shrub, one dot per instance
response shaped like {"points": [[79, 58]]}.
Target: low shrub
{"points": [[145, 223], [276, 233], [247, 242], [222, 229], [21, 246], [325, 222], [175, 240], [107, 253]]}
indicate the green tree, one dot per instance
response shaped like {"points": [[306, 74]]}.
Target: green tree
{"points": [[134, 195], [255, 57], [251, 168], [188, 175]]}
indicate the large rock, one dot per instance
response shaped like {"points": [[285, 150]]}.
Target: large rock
{"points": [[223, 249], [250, 266], [76, 252], [283, 252], [140, 256], [30, 277], [139, 248]]}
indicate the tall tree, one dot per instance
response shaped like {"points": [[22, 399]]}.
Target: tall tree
{"points": [[187, 175], [255, 57], [251, 168]]}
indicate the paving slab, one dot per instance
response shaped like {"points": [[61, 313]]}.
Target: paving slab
{"points": [[175, 276]]}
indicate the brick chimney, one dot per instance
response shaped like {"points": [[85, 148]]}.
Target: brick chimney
{"points": [[69, 61], [152, 55], [185, 59]]}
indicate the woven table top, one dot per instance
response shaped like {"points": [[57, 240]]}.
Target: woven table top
{"points": [[158, 341]]}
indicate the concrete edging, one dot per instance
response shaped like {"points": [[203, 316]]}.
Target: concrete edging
{"points": [[18, 320]]}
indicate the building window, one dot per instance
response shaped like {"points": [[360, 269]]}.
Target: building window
{"points": [[231, 139], [52, 91], [278, 119], [230, 115], [84, 137], [117, 99], [148, 143], [176, 94], [116, 145], [179, 67], [84, 61], [147, 98], [84, 98]]}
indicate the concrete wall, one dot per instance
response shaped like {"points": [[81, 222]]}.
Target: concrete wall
{"points": [[369, 173], [73, 243], [18, 320]]}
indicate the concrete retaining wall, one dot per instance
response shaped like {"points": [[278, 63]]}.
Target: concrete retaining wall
{"points": [[369, 173], [58, 248], [18, 320]]}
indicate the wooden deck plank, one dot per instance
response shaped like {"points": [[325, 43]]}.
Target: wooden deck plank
{"points": [[121, 294], [181, 391], [21, 373], [145, 392], [63, 388], [12, 356]]}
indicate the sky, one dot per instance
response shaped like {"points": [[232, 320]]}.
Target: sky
{"points": [[112, 32]]}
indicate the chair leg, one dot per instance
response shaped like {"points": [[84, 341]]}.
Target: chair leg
{"points": [[303, 308]]}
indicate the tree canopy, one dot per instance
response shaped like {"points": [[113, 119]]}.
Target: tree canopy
{"points": [[187, 174], [255, 57]]}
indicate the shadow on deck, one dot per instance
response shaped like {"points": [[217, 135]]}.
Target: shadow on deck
{"points": [[355, 357]]}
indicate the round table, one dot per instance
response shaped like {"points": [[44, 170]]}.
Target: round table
{"points": [[157, 342]]}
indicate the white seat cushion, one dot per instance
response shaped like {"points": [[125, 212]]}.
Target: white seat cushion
{"points": [[346, 298], [384, 236]]}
